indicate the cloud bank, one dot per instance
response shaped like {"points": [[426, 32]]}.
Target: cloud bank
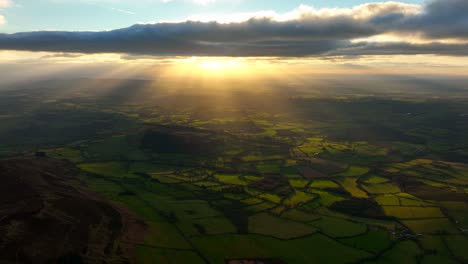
{"points": [[5, 3], [441, 24]]}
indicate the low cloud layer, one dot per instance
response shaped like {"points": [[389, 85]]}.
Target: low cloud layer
{"points": [[442, 24], [402, 48], [5, 3]]}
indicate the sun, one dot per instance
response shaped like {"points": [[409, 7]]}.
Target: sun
{"points": [[220, 68], [219, 64], [212, 65]]}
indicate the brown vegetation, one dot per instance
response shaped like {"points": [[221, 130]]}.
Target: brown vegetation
{"points": [[274, 184], [46, 217]]}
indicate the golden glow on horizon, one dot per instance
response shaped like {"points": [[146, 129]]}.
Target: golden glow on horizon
{"points": [[220, 69], [211, 74]]}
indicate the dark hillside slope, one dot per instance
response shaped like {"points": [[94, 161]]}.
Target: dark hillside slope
{"points": [[44, 219]]}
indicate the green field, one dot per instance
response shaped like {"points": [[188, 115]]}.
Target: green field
{"points": [[314, 177], [266, 224]]}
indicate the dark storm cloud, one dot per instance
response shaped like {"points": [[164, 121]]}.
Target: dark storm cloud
{"points": [[262, 37], [310, 33], [439, 19]]}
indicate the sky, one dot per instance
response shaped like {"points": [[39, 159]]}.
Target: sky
{"points": [[31, 15], [418, 36], [238, 28]]}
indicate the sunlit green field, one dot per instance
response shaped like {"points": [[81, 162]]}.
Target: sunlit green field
{"points": [[213, 186], [213, 216], [235, 205]]}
